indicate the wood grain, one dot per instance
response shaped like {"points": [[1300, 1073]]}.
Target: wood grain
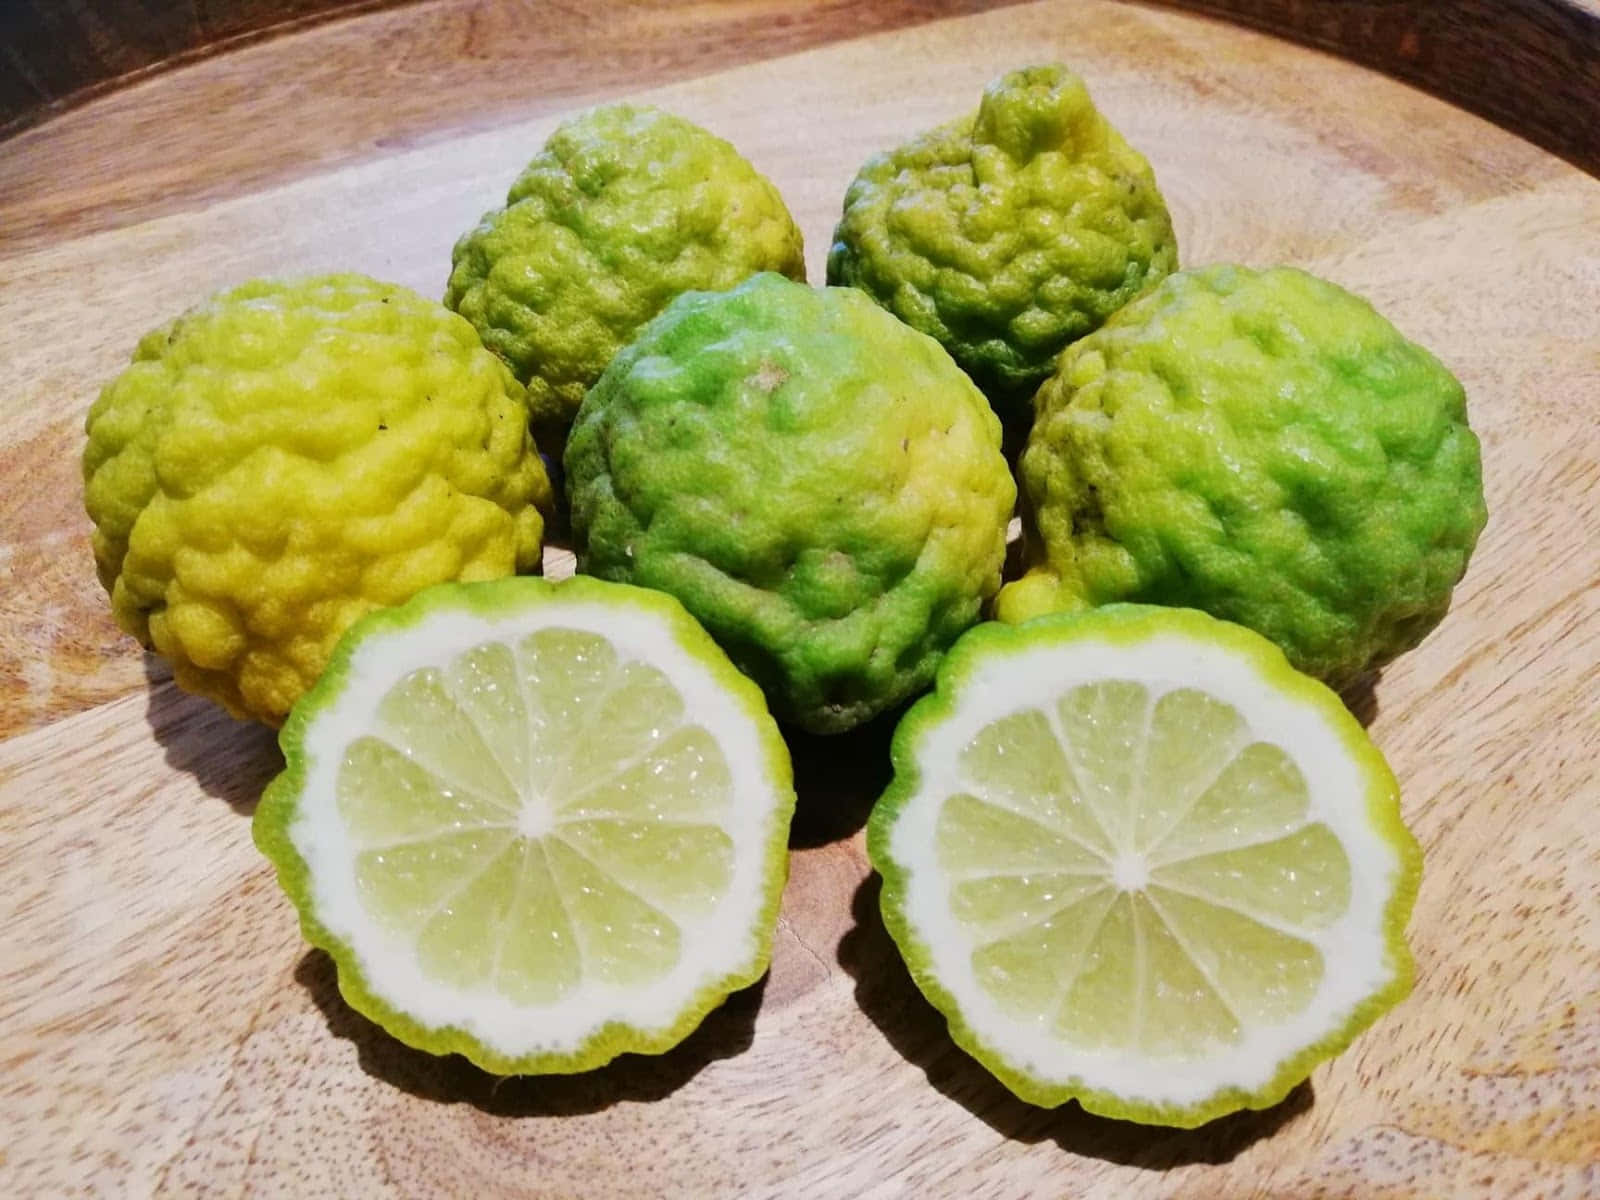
{"points": [[383, 82], [1532, 65], [162, 1026], [1528, 64]]}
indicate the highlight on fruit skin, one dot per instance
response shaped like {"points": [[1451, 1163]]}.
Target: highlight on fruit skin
{"points": [[291, 454], [536, 824], [1138, 861], [1262, 445], [818, 483], [1008, 234], [625, 207]]}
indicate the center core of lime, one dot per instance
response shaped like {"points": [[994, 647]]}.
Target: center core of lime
{"points": [[535, 820], [1130, 872]]}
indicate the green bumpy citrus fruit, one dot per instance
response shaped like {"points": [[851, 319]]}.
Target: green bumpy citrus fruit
{"points": [[1007, 234], [1261, 445], [624, 208], [816, 482], [290, 455]]}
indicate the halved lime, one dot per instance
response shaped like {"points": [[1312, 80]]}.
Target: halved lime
{"points": [[538, 824], [1138, 861]]}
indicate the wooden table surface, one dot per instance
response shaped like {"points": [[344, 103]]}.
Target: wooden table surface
{"points": [[163, 1029]]}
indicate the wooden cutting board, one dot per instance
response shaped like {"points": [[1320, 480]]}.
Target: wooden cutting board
{"points": [[162, 1027]]}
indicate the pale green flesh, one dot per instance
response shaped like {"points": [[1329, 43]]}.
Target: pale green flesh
{"points": [[1137, 873], [538, 814]]}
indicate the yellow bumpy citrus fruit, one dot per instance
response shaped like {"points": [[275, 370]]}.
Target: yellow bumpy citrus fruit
{"points": [[290, 455]]}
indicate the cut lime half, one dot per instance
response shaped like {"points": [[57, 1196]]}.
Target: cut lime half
{"points": [[538, 824], [1138, 861]]}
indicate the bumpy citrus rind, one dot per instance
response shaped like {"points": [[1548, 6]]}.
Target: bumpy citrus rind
{"points": [[1009, 233], [290, 454], [818, 483], [1264, 446], [625, 207]]}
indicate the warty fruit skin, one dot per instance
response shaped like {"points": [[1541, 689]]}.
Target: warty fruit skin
{"points": [[288, 456], [1261, 445], [1008, 234], [624, 208], [816, 482]]}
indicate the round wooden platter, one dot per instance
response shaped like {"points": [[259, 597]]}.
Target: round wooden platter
{"points": [[163, 1028]]}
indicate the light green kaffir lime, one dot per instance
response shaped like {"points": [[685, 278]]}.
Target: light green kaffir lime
{"points": [[1138, 861], [623, 209], [816, 482], [537, 824], [1007, 234], [1263, 446]]}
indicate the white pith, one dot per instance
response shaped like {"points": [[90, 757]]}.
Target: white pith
{"points": [[722, 941], [1353, 947]]}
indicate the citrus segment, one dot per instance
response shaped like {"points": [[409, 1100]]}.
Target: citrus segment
{"points": [[1018, 765], [538, 824], [1138, 861], [1259, 795], [985, 839]]}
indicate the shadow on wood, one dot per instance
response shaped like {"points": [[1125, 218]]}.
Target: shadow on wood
{"points": [[451, 1079], [887, 995], [231, 760], [1361, 698], [837, 779]]}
